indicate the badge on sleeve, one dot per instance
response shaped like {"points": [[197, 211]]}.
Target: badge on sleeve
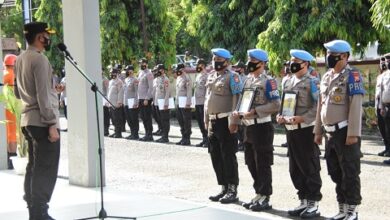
{"points": [[355, 84], [271, 90], [314, 91], [235, 83]]}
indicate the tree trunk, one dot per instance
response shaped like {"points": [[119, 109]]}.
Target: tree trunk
{"points": [[143, 23]]}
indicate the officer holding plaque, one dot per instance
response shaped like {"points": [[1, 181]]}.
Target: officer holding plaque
{"points": [[299, 124]]}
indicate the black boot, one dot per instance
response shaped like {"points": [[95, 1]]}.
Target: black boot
{"points": [[299, 209], [146, 138], [230, 196], [352, 213], [179, 143], [158, 132], [186, 142], [219, 195], [261, 205], [342, 212], [200, 144], [10, 164], [311, 211], [252, 202], [40, 213], [162, 140]]}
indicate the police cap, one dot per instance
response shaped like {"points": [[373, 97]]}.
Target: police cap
{"points": [[258, 54], [180, 66], [302, 55], [338, 46], [220, 52], [129, 67], [33, 28]]}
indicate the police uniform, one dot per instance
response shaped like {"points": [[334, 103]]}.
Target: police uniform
{"points": [[259, 133], [304, 161], [63, 97], [384, 102], [223, 88], [131, 92], [106, 108], [378, 107], [241, 129], [115, 96], [200, 94], [36, 89], [155, 111], [163, 94], [339, 113], [184, 115], [145, 92]]}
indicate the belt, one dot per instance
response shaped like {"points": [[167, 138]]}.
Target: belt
{"points": [[298, 126], [253, 121], [219, 115], [335, 127]]}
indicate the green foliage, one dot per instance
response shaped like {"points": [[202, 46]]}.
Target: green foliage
{"points": [[380, 18], [12, 22]]}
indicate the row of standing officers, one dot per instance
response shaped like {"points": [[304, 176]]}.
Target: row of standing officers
{"points": [[329, 108]]}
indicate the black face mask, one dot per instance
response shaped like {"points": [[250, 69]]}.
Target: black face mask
{"points": [[47, 43], [113, 76], [219, 65], [295, 67], [159, 73], [252, 66], [383, 66], [287, 70], [199, 69], [179, 73], [331, 60], [143, 67]]}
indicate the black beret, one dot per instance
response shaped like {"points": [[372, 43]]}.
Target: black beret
{"points": [[160, 67], [180, 66], [129, 67], [36, 28], [201, 61]]}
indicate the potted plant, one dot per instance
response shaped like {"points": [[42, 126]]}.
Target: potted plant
{"points": [[14, 105]]}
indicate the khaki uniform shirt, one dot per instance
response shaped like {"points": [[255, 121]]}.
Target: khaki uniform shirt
{"points": [[63, 93], [162, 90], [341, 97], [145, 86], [131, 90], [385, 89], [219, 96], [184, 88], [307, 89], [36, 89], [115, 91], [378, 92], [263, 103], [200, 88]]}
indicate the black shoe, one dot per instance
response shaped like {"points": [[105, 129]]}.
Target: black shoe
{"points": [[284, 145], [299, 209], [132, 137], [230, 196], [200, 144], [351, 213], [106, 133], [342, 212], [111, 135], [311, 211], [217, 197], [186, 142], [40, 213], [147, 138], [261, 205], [387, 154], [179, 143], [158, 132], [162, 140], [117, 136], [386, 162]]}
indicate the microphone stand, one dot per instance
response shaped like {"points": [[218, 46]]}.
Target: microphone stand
{"points": [[102, 213]]}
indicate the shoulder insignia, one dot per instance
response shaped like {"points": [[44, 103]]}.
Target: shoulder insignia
{"points": [[271, 89], [235, 83], [355, 84]]}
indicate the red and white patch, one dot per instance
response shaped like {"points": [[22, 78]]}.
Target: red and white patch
{"points": [[236, 79], [274, 86], [356, 76]]}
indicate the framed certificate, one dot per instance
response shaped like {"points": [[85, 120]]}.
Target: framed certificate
{"points": [[289, 103], [245, 102]]}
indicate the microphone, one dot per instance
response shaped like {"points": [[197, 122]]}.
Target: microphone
{"points": [[62, 48], [2, 84]]}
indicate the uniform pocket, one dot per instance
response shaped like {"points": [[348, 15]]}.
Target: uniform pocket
{"points": [[338, 96]]}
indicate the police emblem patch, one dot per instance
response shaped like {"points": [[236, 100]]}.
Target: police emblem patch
{"points": [[356, 76], [338, 90], [337, 98]]}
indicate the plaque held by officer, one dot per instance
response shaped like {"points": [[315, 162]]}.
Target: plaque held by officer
{"points": [[289, 103], [245, 102]]}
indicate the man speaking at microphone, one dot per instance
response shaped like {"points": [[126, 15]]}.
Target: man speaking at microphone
{"points": [[36, 89]]}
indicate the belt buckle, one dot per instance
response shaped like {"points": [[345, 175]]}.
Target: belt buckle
{"points": [[212, 117], [331, 128]]}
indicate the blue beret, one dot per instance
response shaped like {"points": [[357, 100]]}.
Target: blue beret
{"points": [[338, 46], [302, 55], [258, 54], [220, 52]]}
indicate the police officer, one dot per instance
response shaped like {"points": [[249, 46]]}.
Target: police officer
{"points": [[184, 95], [162, 102], [106, 108], [131, 92], [223, 89], [240, 68], [385, 100], [40, 123], [303, 152], [339, 113], [200, 93], [145, 96], [155, 110], [115, 96], [259, 132]]}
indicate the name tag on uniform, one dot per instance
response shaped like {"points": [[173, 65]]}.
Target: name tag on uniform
{"points": [[130, 103], [161, 104]]}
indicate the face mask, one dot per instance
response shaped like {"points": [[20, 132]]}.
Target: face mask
{"points": [[47, 43], [332, 60], [219, 65], [159, 73], [143, 67], [179, 73], [199, 69], [287, 70], [295, 67], [252, 66], [113, 76], [383, 66]]}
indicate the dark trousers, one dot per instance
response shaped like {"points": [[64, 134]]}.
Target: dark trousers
{"points": [[199, 111], [157, 116], [123, 122], [146, 116], [66, 111], [184, 118], [116, 117], [222, 151], [106, 119], [165, 123], [384, 127], [259, 156], [42, 167], [343, 164], [132, 120], [304, 161]]}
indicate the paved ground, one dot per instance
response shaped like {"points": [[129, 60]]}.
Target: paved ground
{"points": [[186, 173]]}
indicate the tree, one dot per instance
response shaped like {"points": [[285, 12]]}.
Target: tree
{"points": [[309, 24], [381, 20]]}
